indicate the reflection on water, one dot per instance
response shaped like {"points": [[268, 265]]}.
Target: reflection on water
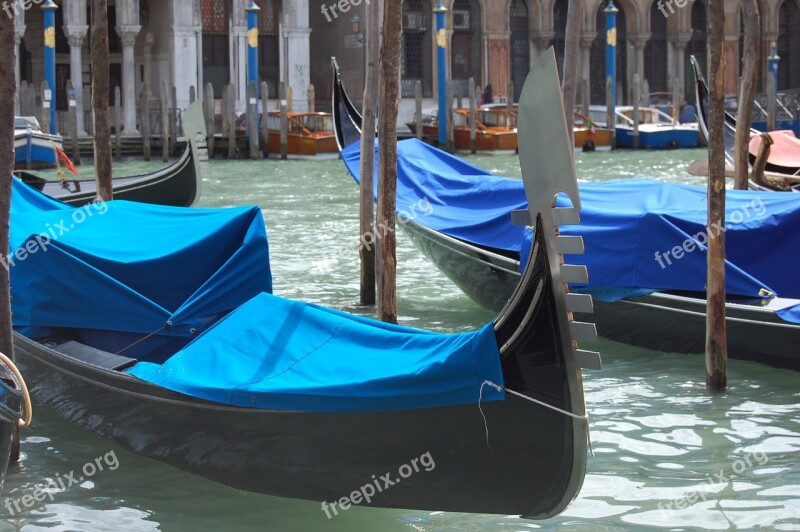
{"points": [[666, 455]]}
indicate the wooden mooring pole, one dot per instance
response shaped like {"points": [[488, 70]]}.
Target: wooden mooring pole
{"points": [[264, 119], [418, 108], [164, 122], [751, 22], [716, 330], [73, 124], [636, 97], [387, 140], [472, 116], [144, 109], [118, 122], [210, 115], [284, 121], [367, 294], [571, 54], [252, 120]]}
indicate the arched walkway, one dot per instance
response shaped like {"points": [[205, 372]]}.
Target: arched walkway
{"points": [[789, 45]]}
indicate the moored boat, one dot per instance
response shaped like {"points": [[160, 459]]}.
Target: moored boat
{"points": [[628, 226], [657, 130], [308, 134], [33, 148], [177, 184], [495, 130], [203, 369], [781, 173]]}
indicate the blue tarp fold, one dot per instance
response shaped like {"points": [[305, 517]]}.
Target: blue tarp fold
{"points": [[287, 355], [131, 267]]}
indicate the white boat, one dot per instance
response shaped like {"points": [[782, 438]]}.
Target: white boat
{"points": [[33, 148]]}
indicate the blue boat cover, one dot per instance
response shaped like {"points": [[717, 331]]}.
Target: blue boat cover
{"points": [[131, 267], [641, 236], [288, 355], [122, 267]]}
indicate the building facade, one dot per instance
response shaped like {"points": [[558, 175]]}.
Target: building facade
{"points": [[194, 42]]}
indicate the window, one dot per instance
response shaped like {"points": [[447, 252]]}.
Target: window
{"points": [[417, 59]]}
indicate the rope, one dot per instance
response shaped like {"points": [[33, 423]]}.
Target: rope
{"points": [[140, 340], [501, 389], [26, 396]]}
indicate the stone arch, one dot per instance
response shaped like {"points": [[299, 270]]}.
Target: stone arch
{"points": [[655, 52], [466, 44]]}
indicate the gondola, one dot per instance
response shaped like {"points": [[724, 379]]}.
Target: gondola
{"points": [[486, 268], [776, 177], [298, 400], [177, 184], [13, 396]]}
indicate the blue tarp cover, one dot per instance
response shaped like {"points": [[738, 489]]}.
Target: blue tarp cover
{"points": [[131, 267], [632, 228], [287, 355]]}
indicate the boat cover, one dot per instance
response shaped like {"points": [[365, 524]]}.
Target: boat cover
{"points": [[785, 149], [288, 355], [641, 236], [130, 267]]}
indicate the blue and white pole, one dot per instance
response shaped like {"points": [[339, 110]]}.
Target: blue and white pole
{"points": [[252, 62], [49, 8], [611, 49], [441, 65]]}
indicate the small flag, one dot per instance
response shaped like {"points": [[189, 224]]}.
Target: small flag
{"points": [[62, 157], [590, 125]]}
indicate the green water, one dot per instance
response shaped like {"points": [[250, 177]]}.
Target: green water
{"points": [[657, 436]]}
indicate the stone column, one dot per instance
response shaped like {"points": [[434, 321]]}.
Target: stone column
{"points": [[239, 65], [587, 39], [128, 36], [76, 35], [149, 41], [639, 43], [679, 42]]}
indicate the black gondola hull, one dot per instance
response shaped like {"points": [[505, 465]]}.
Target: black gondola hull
{"points": [[664, 322], [524, 469]]}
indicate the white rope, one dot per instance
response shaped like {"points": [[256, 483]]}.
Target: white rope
{"points": [[501, 389]]}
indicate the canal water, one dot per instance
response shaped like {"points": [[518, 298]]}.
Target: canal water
{"points": [[667, 456]]}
